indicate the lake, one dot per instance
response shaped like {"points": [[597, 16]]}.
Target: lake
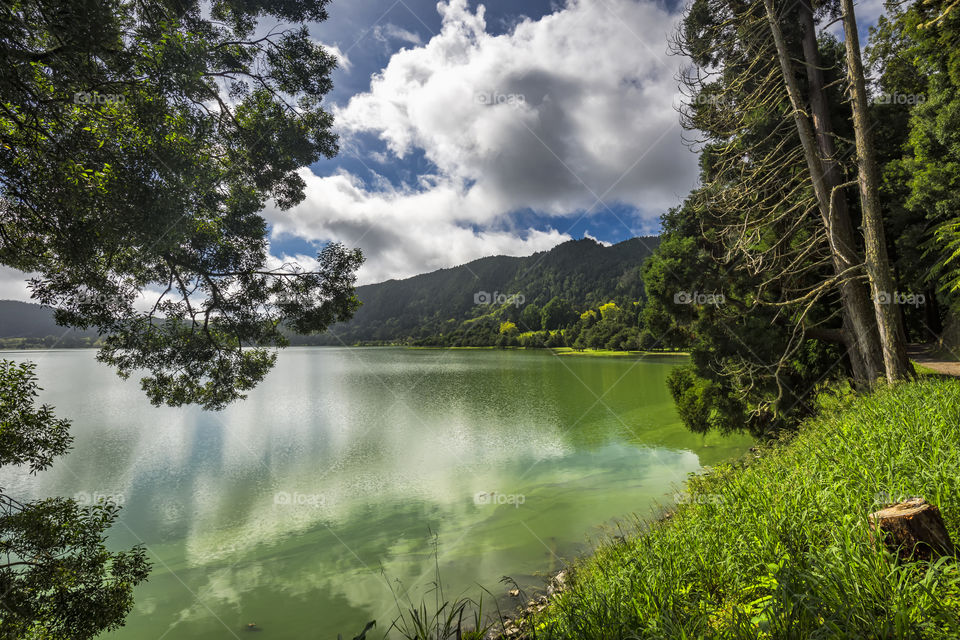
{"points": [[298, 508]]}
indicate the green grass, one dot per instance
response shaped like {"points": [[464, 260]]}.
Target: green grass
{"points": [[567, 351], [922, 370], [778, 546]]}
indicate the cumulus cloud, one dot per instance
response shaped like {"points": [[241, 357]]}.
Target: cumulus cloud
{"points": [[403, 231], [561, 111], [562, 116]]}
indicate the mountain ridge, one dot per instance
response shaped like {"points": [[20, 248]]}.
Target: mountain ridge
{"points": [[583, 273]]}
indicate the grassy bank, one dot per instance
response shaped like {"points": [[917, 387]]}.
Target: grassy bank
{"points": [[778, 546], [567, 351]]}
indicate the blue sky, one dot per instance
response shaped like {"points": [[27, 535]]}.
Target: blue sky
{"points": [[505, 127], [369, 32]]}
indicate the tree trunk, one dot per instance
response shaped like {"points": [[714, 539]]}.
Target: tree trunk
{"points": [[858, 320], [863, 342], [913, 529], [878, 265]]}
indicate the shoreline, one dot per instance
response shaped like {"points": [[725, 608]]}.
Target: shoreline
{"points": [[558, 351], [743, 501]]}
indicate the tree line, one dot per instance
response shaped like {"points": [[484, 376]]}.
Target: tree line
{"points": [[826, 212], [617, 325]]}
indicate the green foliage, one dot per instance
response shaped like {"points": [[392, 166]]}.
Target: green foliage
{"points": [[534, 339], [743, 277], [704, 405], [948, 236], [616, 329], [778, 546], [738, 378], [28, 436], [57, 579], [139, 141], [440, 308], [557, 314], [608, 309], [919, 117], [127, 168], [530, 318]]}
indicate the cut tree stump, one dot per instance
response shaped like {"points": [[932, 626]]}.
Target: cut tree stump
{"points": [[913, 529]]}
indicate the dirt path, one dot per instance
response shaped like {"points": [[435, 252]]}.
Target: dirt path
{"points": [[929, 356]]}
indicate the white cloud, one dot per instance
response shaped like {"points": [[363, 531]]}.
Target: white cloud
{"points": [[562, 111], [586, 234], [13, 284], [868, 13], [385, 33], [342, 60], [576, 105], [403, 232]]}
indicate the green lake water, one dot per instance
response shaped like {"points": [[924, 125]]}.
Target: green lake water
{"points": [[293, 508]]}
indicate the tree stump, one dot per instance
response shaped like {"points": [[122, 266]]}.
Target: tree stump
{"points": [[913, 529]]}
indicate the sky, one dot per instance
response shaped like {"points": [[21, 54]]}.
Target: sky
{"points": [[505, 127]]}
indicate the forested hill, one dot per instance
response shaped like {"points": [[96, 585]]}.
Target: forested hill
{"points": [[23, 324], [583, 273], [494, 300]]}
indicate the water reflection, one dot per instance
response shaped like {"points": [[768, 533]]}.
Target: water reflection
{"points": [[284, 509]]}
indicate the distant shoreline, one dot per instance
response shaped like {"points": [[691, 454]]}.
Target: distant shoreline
{"points": [[559, 351]]}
